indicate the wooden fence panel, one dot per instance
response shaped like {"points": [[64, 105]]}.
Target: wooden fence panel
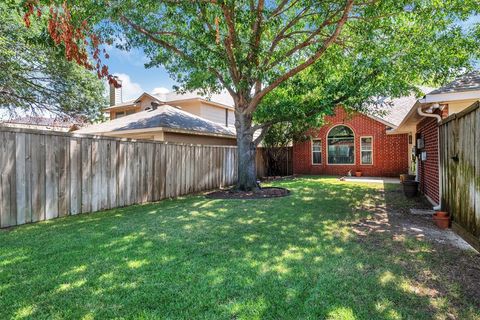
{"points": [[51, 178], [460, 169], [477, 171], [7, 180], [45, 175], [75, 177], [21, 177], [38, 177], [63, 176]]}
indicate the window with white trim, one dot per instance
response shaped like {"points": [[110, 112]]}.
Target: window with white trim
{"points": [[366, 150], [316, 151], [341, 145]]}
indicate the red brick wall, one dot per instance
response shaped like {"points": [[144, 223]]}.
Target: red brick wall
{"points": [[428, 170], [390, 152]]}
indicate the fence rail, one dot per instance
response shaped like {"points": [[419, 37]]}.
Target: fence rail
{"points": [[44, 175], [460, 171]]}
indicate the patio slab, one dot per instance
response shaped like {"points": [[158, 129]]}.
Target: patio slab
{"points": [[373, 179]]}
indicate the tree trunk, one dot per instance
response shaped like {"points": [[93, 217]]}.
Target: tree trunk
{"points": [[247, 173]]}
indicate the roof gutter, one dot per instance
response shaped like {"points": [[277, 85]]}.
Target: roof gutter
{"points": [[429, 115]]}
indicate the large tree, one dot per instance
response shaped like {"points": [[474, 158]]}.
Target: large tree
{"points": [[35, 78], [252, 48]]}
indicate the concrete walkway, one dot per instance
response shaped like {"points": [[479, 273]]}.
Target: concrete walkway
{"points": [[373, 179]]}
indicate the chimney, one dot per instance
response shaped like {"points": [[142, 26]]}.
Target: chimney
{"points": [[116, 93]]}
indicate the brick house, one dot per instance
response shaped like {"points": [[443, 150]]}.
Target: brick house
{"points": [[422, 122], [357, 142]]}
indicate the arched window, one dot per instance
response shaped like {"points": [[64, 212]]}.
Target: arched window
{"points": [[341, 145]]}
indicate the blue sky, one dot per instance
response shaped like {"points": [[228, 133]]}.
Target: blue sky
{"points": [[129, 66]]}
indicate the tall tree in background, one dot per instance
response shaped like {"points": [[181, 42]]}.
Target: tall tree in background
{"points": [[256, 49], [35, 77]]}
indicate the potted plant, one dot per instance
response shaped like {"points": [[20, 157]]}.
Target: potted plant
{"points": [[358, 173], [410, 188], [441, 219]]}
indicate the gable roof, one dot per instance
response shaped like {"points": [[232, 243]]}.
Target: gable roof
{"points": [[467, 82], [223, 99], [465, 87], [164, 116], [390, 111]]}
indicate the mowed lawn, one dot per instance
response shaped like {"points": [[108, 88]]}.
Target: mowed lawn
{"points": [[296, 257]]}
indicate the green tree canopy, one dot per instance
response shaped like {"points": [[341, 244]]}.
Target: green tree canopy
{"points": [[35, 77], [295, 58]]}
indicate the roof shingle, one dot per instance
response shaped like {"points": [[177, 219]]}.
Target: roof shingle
{"points": [[164, 116], [394, 110], [468, 82]]}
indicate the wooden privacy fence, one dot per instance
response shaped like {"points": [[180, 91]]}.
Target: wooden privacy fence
{"points": [[460, 171], [278, 161], [45, 175]]}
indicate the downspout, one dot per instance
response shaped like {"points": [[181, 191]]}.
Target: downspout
{"points": [[439, 119]]}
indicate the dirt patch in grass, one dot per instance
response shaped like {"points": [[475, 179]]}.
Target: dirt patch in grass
{"points": [[263, 193]]}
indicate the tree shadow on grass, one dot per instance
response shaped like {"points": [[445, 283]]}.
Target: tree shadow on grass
{"points": [[289, 258], [437, 266]]}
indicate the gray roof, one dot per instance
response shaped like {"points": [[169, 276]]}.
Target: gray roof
{"points": [[394, 110], [164, 116], [223, 98], [468, 82], [63, 122]]}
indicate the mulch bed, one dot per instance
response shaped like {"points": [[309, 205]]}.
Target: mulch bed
{"points": [[263, 193]]}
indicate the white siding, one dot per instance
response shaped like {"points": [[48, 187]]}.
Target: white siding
{"points": [[146, 102], [213, 113], [193, 107], [231, 118]]}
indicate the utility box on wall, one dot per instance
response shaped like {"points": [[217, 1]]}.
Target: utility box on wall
{"points": [[423, 156], [420, 143]]}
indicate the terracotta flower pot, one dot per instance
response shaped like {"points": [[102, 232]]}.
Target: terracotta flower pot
{"points": [[441, 214], [443, 222], [358, 173]]}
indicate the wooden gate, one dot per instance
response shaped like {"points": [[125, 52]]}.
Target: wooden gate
{"points": [[460, 171]]}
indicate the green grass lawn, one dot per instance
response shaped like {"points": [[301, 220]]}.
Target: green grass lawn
{"points": [[296, 257]]}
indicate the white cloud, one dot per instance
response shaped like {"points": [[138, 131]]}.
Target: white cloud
{"points": [[160, 90], [130, 89]]}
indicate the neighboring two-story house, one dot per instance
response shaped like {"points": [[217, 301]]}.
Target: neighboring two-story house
{"points": [[174, 117]]}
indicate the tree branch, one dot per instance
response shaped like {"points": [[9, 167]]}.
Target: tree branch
{"points": [[318, 109], [261, 135], [279, 9], [230, 42], [177, 51], [279, 36], [328, 21], [256, 34], [327, 42]]}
